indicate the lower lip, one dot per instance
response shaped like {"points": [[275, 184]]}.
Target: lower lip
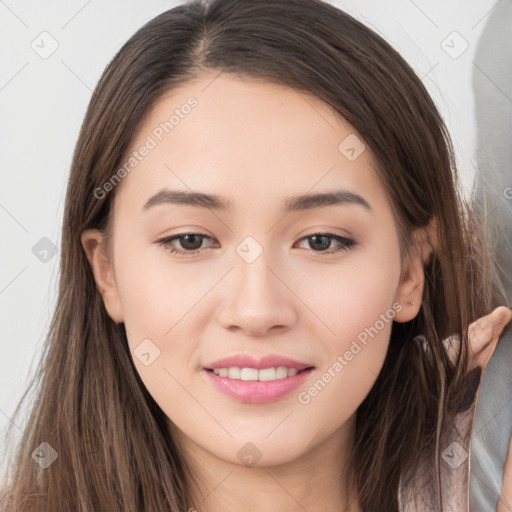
{"points": [[255, 391]]}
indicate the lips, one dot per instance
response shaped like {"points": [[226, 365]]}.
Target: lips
{"points": [[247, 361], [250, 380]]}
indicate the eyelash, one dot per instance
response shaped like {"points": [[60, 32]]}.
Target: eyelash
{"points": [[345, 243]]}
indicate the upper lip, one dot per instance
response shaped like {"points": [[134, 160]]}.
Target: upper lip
{"points": [[247, 361]]}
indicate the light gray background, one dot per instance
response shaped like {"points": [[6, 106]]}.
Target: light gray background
{"points": [[43, 101]]}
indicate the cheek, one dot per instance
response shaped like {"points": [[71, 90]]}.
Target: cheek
{"points": [[160, 305], [351, 296], [155, 311], [355, 304], [154, 296], [144, 298], [354, 359]]}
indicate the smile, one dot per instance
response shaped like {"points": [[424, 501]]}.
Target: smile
{"points": [[265, 374]]}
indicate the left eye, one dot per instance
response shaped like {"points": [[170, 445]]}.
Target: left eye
{"points": [[192, 242], [323, 240]]}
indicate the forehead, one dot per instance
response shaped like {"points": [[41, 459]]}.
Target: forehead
{"points": [[248, 140]]}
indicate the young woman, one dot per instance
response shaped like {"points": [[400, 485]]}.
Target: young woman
{"points": [[267, 280]]}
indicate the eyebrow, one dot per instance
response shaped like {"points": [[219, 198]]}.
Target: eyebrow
{"points": [[291, 204]]}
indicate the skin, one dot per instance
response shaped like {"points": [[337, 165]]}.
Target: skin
{"points": [[256, 144]]}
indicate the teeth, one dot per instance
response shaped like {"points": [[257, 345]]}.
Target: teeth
{"points": [[249, 374], [265, 374], [234, 372], [271, 374]]}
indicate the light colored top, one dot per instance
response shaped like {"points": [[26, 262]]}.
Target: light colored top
{"points": [[471, 446]]}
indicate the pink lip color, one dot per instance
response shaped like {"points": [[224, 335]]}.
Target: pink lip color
{"points": [[247, 361], [255, 391]]}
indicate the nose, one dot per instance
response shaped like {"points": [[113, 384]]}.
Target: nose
{"points": [[258, 300]]}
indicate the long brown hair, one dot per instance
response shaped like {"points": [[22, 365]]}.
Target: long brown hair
{"points": [[114, 450]]}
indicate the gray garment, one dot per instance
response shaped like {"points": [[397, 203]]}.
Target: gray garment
{"points": [[492, 428], [492, 80]]}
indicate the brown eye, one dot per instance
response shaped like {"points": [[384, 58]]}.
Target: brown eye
{"points": [[190, 243], [319, 242]]}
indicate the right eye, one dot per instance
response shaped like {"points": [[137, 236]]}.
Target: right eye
{"points": [[191, 242]]}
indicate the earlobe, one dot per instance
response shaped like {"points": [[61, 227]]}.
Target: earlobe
{"points": [[410, 293], [102, 271]]}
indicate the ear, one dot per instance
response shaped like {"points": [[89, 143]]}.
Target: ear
{"points": [[103, 272], [412, 280]]}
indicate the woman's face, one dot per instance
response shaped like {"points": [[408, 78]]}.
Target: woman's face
{"points": [[253, 280]]}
